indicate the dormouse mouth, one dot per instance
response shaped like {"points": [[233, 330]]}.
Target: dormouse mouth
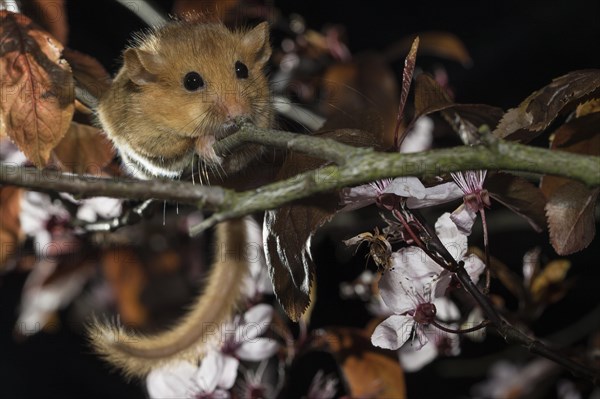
{"points": [[226, 129]]}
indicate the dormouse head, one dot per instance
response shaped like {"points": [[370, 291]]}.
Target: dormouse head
{"points": [[194, 79]]}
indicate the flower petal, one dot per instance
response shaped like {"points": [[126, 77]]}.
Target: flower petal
{"points": [[258, 280], [415, 263], [395, 290], [255, 322], [441, 284], [464, 218], [210, 371], [104, 207], [258, 349], [393, 332], [420, 137], [358, 197], [436, 195], [172, 381], [446, 309], [474, 267], [409, 187], [229, 372], [454, 241], [414, 359]]}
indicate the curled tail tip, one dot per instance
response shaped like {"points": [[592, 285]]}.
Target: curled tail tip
{"points": [[106, 338], [130, 352]]}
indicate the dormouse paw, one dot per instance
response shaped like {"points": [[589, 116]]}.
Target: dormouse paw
{"points": [[204, 149]]}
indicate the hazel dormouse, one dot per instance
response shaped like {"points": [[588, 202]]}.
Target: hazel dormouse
{"points": [[179, 90]]}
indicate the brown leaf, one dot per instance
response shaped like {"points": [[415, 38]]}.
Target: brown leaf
{"points": [[440, 44], [124, 271], [288, 243], [361, 94], [525, 122], [51, 15], [37, 86], [502, 272], [88, 72], [84, 150], [570, 212], [11, 235], [430, 97], [588, 107], [520, 196], [369, 372], [553, 274], [289, 229]]}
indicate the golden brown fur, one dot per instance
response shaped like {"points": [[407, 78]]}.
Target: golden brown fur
{"points": [[137, 354], [158, 127]]}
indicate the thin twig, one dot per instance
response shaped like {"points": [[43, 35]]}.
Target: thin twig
{"points": [[51, 180], [514, 335], [478, 327]]}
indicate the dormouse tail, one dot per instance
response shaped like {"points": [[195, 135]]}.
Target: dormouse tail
{"points": [[137, 354]]}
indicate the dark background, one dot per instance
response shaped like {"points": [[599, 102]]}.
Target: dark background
{"points": [[516, 47]]}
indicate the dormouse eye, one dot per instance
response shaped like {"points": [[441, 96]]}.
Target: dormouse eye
{"points": [[241, 70], [193, 81]]}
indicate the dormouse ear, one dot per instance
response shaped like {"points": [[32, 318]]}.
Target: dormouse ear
{"points": [[142, 67], [257, 42]]}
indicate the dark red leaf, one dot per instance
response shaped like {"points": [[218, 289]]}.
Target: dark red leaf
{"points": [[10, 225], [525, 122], [570, 212], [84, 150], [361, 94], [439, 44], [570, 208], [520, 196], [465, 119], [289, 229], [407, 75], [88, 72]]}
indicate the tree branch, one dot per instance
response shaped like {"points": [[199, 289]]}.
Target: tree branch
{"points": [[360, 165], [355, 166]]}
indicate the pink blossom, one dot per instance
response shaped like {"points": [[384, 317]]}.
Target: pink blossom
{"points": [[420, 136], [414, 263], [438, 342], [219, 368], [243, 339], [183, 379], [474, 200], [418, 196], [410, 301], [257, 383], [414, 285], [257, 282]]}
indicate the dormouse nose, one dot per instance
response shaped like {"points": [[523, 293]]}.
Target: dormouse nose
{"points": [[232, 107]]}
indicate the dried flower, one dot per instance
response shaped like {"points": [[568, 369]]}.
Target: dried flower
{"points": [[471, 183]]}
